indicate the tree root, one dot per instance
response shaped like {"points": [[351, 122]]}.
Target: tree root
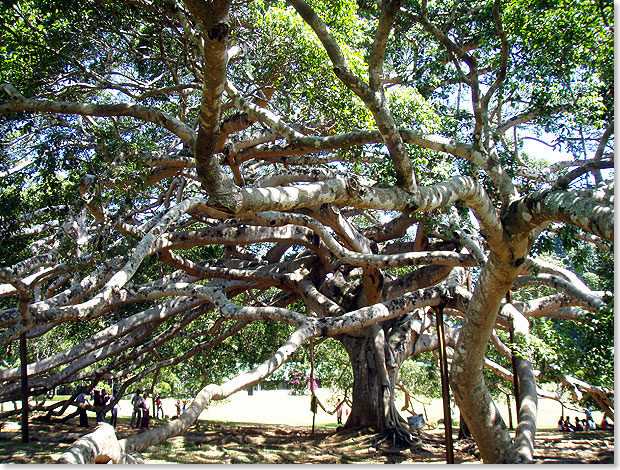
{"points": [[396, 437]]}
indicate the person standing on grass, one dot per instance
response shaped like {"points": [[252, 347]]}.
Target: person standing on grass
{"points": [[136, 415], [178, 407], [146, 416], [104, 400], [82, 402], [339, 414], [159, 408], [114, 417], [97, 402]]}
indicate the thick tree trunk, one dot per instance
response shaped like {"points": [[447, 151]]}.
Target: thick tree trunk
{"points": [[470, 392], [373, 402], [364, 408]]}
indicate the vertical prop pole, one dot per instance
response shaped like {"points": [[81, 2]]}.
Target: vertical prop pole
{"points": [[23, 357], [313, 400], [514, 374], [509, 412], [445, 391], [313, 408], [515, 381]]}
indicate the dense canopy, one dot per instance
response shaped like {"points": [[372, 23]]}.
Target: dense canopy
{"points": [[196, 191]]}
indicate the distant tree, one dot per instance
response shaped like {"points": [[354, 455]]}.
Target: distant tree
{"points": [[204, 187]]}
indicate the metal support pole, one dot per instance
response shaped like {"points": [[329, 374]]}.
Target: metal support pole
{"points": [[23, 357], [313, 400], [313, 418], [509, 412], [445, 391], [515, 381]]}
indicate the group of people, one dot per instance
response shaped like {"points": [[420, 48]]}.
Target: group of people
{"points": [[140, 416], [100, 399], [586, 424], [342, 407], [580, 424], [178, 407]]}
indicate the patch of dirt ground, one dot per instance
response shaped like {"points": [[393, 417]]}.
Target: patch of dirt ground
{"points": [[214, 442]]}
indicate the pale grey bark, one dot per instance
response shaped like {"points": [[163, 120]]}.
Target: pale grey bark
{"points": [[217, 392], [563, 206], [144, 113], [264, 115], [269, 177], [583, 297], [100, 446], [371, 94], [448, 258], [470, 391]]}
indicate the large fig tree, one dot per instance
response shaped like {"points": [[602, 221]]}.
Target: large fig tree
{"points": [[176, 172]]}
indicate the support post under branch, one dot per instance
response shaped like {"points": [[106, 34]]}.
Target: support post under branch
{"points": [[445, 386], [23, 357]]}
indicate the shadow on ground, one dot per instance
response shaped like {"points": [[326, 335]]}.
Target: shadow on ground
{"points": [[216, 442]]}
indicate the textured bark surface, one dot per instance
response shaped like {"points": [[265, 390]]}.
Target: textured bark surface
{"points": [[365, 386], [100, 446], [219, 172], [470, 392]]}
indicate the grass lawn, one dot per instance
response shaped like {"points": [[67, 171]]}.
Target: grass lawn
{"points": [[275, 427]]}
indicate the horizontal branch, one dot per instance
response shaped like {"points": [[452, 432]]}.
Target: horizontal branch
{"points": [[311, 144], [101, 338], [560, 206], [180, 425], [584, 297], [145, 113], [447, 258]]}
